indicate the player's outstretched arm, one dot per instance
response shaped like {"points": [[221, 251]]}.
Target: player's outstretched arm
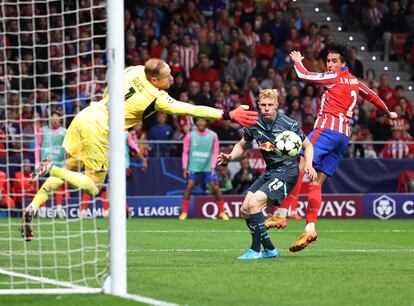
{"points": [[373, 98], [326, 78], [308, 154], [241, 114], [238, 150]]}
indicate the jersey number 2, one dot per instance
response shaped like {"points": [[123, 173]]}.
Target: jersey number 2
{"points": [[354, 97]]}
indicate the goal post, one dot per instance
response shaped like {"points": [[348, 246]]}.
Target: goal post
{"points": [[56, 56], [117, 184]]}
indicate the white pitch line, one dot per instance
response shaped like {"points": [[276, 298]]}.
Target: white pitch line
{"points": [[241, 250], [283, 230], [146, 300]]}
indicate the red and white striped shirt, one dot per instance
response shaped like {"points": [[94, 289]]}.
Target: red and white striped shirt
{"points": [[188, 58], [398, 148], [339, 97]]}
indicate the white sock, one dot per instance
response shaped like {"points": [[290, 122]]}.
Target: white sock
{"points": [[281, 212], [310, 227]]}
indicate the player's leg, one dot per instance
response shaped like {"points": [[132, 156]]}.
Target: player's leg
{"points": [[253, 205], [309, 234], [278, 219], [212, 178], [192, 176], [329, 150]]}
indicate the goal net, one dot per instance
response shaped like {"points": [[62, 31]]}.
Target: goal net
{"points": [[52, 65]]}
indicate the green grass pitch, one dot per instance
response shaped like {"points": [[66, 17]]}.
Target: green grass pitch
{"points": [[353, 262]]}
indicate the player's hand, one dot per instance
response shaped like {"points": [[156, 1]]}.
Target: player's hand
{"points": [[311, 172], [185, 173], [243, 116], [392, 115], [296, 56], [144, 165], [223, 159]]}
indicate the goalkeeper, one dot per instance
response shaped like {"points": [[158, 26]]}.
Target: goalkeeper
{"points": [[86, 141]]}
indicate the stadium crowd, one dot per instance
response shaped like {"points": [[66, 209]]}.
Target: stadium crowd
{"points": [[221, 54]]}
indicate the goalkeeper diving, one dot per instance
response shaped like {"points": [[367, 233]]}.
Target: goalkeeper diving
{"points": [[86, 141]]}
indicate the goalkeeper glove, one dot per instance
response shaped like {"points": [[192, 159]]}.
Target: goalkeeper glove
{"points": [[242, 116]]}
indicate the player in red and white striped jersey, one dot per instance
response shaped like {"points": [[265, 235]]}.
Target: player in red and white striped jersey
{"points": [[330, 136]]}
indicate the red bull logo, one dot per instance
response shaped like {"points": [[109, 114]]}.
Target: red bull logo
{"points": [[267, 146]]}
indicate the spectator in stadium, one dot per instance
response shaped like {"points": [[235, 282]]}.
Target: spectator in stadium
{"points": [[384, 90], [279, 29], [372, 21], [393, 22], [268, 81], [313, 39], [70, 98], [261, 68], [380, 129], [311, 62], [355, 65], [226, 132], [265, 47], [245, 177], [235, 41], [160, 131], [211, 49], [226, 186], [308, 123], [331, 134], [188, 54], [250, 95], [294, 110], [396, 147], [178, 87], [372, 83], [394, 100], [279, 177], [281, 60], [90, 128], [22, 188], [200, 151], [6, 201], [194, 93], [239, 69], [204, 72]]}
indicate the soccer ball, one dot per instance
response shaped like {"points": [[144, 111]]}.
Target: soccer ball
{"points": [[288, 144]]}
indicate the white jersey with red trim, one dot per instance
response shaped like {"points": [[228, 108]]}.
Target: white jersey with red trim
{"points": [[339, 97]]}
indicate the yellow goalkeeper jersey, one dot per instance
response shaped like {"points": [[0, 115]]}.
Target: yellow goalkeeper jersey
{"points": [[142, 99]]}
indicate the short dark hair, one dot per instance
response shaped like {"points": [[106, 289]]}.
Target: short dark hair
{"points": [[341, 48]]}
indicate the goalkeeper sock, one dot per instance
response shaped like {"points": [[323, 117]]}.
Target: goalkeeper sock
{"points": [[185, 206], [76, 179], [51, 184], [220, 204], [314, 202]]}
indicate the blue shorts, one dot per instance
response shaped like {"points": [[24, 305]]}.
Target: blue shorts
{"points": [[329, 148], [207, 176]]}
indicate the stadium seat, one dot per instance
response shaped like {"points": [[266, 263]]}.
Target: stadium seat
{"points": [[398, 43]]}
